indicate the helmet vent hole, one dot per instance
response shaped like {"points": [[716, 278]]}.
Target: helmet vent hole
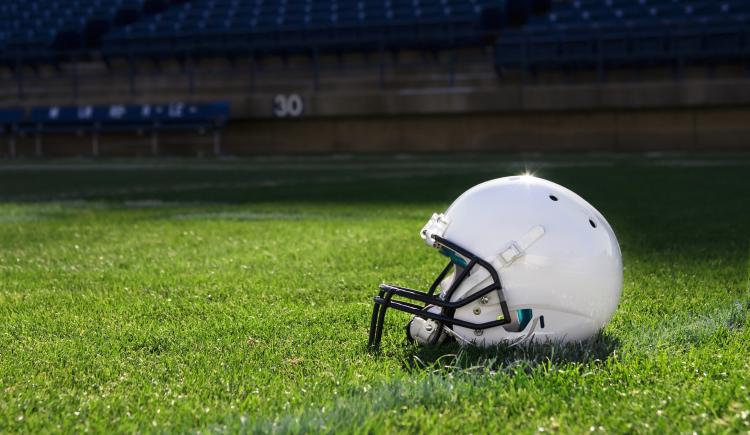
{"points": [[592, 223], [553, 197]]}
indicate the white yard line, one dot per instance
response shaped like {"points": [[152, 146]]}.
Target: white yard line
{"points": [[355, 163]]}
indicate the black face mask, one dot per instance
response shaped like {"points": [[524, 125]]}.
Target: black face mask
{"points": [[464, 262]]}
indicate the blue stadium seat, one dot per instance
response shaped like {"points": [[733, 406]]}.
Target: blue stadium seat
{"points": [[574, 33], [510, 51], [10, 119]]}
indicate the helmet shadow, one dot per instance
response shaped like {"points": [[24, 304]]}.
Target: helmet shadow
{"points": [[451, 356]]}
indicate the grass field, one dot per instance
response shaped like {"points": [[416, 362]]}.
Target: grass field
{"points": [[177, 295]]}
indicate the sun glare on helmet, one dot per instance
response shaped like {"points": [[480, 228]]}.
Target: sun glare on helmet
{"points": [[527, 176]]}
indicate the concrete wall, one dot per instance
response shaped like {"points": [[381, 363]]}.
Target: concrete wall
{"points": [[414, 108], [686, 129], [664, 115], [602, 130], [499, 97]]}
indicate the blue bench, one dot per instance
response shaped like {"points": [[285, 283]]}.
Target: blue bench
{"points": [[144, 118]]}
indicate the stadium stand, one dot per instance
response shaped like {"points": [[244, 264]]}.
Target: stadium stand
{"points": [[73, 34], [641, 33], [375, 75]]}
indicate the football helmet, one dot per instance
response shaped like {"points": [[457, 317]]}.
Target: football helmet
{"points": [[529, 260]]}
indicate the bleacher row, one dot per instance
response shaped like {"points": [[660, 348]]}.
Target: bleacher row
{"points": [[39, 29], [229, 26], [604, 33]]}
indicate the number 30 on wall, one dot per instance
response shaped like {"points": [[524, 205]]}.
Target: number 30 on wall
{"points": [[288, 106]]}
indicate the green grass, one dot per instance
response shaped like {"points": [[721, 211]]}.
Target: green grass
{"points": [[179, 296]]}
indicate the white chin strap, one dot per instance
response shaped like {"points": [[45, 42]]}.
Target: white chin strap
{"points": [[425, 331], [517, 248], [514, 250]]}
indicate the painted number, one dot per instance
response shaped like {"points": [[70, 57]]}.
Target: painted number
{"points": [[288, 106], [175, 110], [117, 112]]}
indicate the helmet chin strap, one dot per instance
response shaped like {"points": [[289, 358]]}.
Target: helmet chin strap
{"points": [[457, 337], [517, 248], [514, 250]]}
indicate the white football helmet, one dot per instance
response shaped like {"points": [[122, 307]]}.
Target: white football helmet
{"points": [[529, 259]]}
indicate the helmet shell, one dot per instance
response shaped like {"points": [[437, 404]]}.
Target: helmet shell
{"points": [[571, 277]]}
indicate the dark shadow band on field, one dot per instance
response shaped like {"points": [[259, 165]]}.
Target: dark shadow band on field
{"points": [[664, 195], [417, 179], [647, 200]]}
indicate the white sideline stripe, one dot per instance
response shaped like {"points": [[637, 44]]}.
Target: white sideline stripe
{"points": [[342, 163], [437, 91], [247, 216], [687, 329], [695, 163], [336, 166]]}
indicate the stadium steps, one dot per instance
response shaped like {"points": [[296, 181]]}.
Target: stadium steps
{"points": [[218, 78], [173, 85], [117, 87]]}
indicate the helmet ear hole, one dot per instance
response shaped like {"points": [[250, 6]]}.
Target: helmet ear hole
{"points": [[553, 197], [592, 223]]}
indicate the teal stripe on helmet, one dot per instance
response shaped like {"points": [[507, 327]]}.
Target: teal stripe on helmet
{"points": [[455, 258]]}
